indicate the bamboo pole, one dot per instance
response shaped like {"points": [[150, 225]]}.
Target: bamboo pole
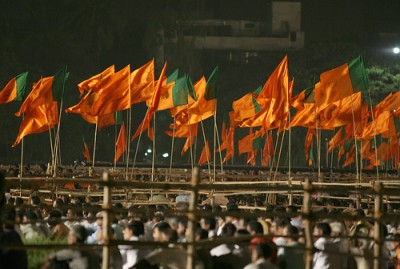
{"points": [[205, 142], [94, 146], [57, 139], [191, 248], [308, 225], [137, 145], [106, 223], [21, 166], [172, 147], [378, 240], [128, 142]]}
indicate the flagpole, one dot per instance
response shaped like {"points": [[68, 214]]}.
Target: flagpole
{"points": [[115, 142], [333, 148], [137, 145], [358, 177], [94, 146], [290, 162], [57, 139], [172, 149], [190, 141], [21, 165], [154, 149], [214, 144], [205, 143], [128, 142], [219, 145]]}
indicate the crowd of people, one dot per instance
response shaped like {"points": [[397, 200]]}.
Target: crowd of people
{"points": [[254, 239]]}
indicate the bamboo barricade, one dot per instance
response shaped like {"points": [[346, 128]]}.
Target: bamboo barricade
{"points": [[375, 189]]}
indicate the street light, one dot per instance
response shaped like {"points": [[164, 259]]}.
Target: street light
{"points": [[165, 155], [396, 50]]}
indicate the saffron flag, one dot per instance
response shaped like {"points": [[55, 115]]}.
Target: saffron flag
{"points": [[378, 126], [142, 83], [86, 152], [224, 138], [153, 104], [37, 120], [305, 117], [246, 106], [14, 90], [205, 154], [250, 142], [268, 150], [230, 144], [45, 91], [114, 93], [121, 143], [174, 95], [335, 141], [340, 82], [89, 83]]}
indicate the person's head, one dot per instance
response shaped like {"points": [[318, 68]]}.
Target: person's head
{"points": [[71, 212], [291, 232], [255, 228], [182, 225], [162, 232], [279, 224], [134, 228], [200, 234], [228, 230], [77, 235], [54, 218], [322, 229], [208, 223], [158, 216], [261, 250], [58, 203], [35, 200], [29, 216], [8, 218], [19, 202]]}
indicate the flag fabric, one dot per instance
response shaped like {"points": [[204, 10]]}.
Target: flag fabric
{"points": [[250, 142], [37, 120], [224, 136], [268, 150], [229, 144], [378, 126], [246, 106], [341, 82], [308, 145], [211, 87], [341, 112], [182, 130], [121, 143], [86, 152], [15, 89], [305, 117], [275, 97], [40, 94], [114, 93], [142, 83], [45, 91], [89, 83], [335, 140], [390, 103], [251, 157], [205, 154], [153, 104], [349, 157], [84, 107], [176, 94]]}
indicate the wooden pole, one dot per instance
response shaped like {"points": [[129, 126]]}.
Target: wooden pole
{"points": [[191, 248], [172, 148], [378, 240], [128, 142], [94, 146], [309, 242], [106, 223], [21, 167]]}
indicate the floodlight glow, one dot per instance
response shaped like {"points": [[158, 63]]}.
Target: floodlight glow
{"points": [[149, 151], [165, 155], [145, 154], [396, 50]]}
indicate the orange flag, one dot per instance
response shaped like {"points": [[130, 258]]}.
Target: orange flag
{"points": [[378, 126], [230, 144], [41, 94], [268, 150], [224, 136], [86, 152], [307, 144], [342, 112], [335, 141], [384, 152], [205, 154], [251, 157], [37, 120], [142, 83], [349, 157], [182, 130], [121, 143], [114, 93], [305, 117], [89, 83], [153, 104], [340, 82], [84, 107], [14, 90], [390, 103]]}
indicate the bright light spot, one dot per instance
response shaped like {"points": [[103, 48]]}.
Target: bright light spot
{"points": [[145, 154], [396, 50], [165, 155], [149, 151]]}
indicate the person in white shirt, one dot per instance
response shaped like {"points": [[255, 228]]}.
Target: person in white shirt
{"points": [[327, 254], [291, 255], [130, 255]]}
